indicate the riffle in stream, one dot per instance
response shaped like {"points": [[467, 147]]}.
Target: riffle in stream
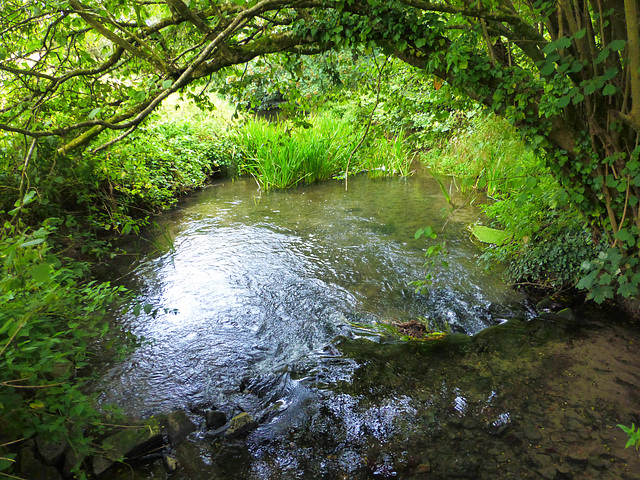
{"points": [[265, 296]]}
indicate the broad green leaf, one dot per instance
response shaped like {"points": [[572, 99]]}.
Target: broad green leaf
{"points": [[40, 273], [609, 89], [490, 235], [6, 460], [617, 45], [602, 56]]}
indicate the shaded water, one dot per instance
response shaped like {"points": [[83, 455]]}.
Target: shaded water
{"points": [[263, 285]]}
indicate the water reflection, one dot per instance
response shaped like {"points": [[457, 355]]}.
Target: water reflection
{"points": [[262, 285]]}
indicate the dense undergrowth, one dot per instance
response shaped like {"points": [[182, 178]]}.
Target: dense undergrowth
{"points": [[282, 155], [546, 240], [58, 209]]}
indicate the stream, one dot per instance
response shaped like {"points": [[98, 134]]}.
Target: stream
{"points": [[268, 304]]}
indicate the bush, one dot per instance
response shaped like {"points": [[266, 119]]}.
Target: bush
{"points": [[49, 320]]}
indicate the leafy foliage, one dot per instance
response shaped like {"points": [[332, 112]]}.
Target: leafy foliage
{"points": [[50, 319], [634, 435]]}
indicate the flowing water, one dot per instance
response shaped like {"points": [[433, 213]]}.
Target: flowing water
{"points": [[265, 303]]}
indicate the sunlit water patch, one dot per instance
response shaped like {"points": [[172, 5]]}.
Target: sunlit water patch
{"points": [[256, 289]]}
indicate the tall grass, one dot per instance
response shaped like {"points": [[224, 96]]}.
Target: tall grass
{"points": [[488, 154], [285, 154]]}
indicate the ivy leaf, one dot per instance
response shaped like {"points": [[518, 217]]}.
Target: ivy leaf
{"points": [[609, 90]]}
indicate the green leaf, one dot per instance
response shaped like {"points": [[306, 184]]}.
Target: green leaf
{"points": [[167, 84], [617, 45], [40, 273], [31, 243], [602, 56], [609, 89], [587, 281], [94, 112], [590, 88], [627, 290], [563, 101], [6, 460], [548, 69], [610, 73], [601, 292], [490, 235]]}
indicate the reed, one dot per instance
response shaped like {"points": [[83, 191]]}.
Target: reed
{"points": [[285, 154]]}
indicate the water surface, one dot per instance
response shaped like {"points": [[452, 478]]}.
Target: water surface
{"points": [[259, 286]]}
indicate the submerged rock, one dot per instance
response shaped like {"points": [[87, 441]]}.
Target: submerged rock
{"points": [[51, 452], [240, 425], [128, 443], [177, 425], [30, 467], [215, 419]]}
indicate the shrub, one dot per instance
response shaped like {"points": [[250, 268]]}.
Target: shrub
{"points": [[49, 320]]}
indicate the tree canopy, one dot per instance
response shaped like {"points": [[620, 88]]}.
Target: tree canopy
{"points": [[566, 73]]}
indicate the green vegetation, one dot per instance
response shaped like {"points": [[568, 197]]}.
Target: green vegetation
{"points": [[535, 230], [284, 154], [50, 321], [94, 141], [634, 435]]}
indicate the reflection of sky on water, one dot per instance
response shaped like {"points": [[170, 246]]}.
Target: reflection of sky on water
{"points": [[264, 284]]}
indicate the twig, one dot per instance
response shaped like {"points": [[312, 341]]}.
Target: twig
{"points": [[346, 172]]}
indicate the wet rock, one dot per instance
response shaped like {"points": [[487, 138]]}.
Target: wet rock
{"points": [[546, 303], [101, 465], [564, 469], [599, 463], [240, 425], [578, 456], [548, 472], [216, 433], [51, 451], [128, 443], [177, 426], [170, 463], [215, 419], [531, 432], [29, 466], [72, 459], [541, 460], [500, 425]]}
